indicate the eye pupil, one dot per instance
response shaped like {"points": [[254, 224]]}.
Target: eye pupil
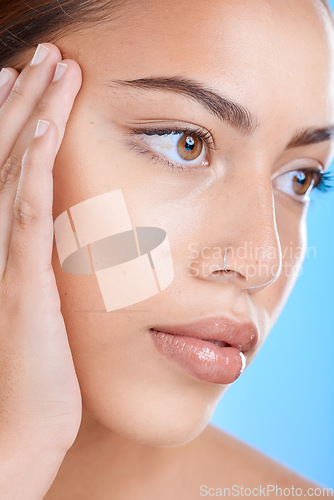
{"points": [[190, 143], [189, 147], [301, 177]]}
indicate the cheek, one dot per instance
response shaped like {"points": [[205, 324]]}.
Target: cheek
{"points": [[99, 236]]}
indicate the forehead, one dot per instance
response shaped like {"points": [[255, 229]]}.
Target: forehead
{"points": [[256, 52]]}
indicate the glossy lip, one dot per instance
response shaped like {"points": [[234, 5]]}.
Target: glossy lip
{"points": [[243, 336]]}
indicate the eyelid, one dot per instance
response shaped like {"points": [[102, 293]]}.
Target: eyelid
{"points": [[300, 164]]}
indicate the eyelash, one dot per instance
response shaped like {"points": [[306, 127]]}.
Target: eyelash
{"points": [[203, 134], [324, 180]]}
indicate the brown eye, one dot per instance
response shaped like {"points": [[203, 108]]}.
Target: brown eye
{"points": [[302, 181], [189, 147]]}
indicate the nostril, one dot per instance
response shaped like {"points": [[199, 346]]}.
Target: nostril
{"points": [[218, 271]]}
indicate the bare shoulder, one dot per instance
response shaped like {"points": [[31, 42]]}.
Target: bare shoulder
{"points": [[229, 461]]}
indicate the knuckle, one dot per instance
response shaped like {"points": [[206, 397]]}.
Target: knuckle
{"points": [[24, 212], [9, 172], [17, 91], [42, 107]]}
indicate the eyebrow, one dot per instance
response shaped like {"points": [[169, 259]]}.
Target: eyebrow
{"points": [[225, 109], [312, 136]]}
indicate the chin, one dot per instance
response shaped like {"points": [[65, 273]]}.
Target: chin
{"points": [[164, 419]]}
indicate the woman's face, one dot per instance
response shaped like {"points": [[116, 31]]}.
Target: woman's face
{"points": [[274, 59]]}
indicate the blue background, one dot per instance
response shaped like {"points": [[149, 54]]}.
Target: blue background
{"points": [[283, 404]]}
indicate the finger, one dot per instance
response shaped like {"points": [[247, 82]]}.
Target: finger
{"points": [[56, 104], [31, 240], [23, 99], [7, 79]]}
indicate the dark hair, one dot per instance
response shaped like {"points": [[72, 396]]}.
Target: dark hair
{"points": [[25, 23]]}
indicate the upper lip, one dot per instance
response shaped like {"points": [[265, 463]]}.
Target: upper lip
{"points": [[243, 336]]}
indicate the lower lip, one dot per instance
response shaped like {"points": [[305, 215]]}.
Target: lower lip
{"points": [[200, 358]]}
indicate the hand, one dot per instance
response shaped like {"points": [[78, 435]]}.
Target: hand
{"points": [[40, 400]]}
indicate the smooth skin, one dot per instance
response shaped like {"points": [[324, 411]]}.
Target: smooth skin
{"points": [[142, 413]]}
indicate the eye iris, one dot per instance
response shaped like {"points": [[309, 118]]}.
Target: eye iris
{"points": [[189, 147], [302, 181]]}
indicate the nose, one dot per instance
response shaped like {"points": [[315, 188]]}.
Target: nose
{"points": [[240, 242]]}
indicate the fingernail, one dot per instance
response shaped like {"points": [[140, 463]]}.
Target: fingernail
{"points": [[60, 70], [41, 53], [4, 76], [41, 128]]}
